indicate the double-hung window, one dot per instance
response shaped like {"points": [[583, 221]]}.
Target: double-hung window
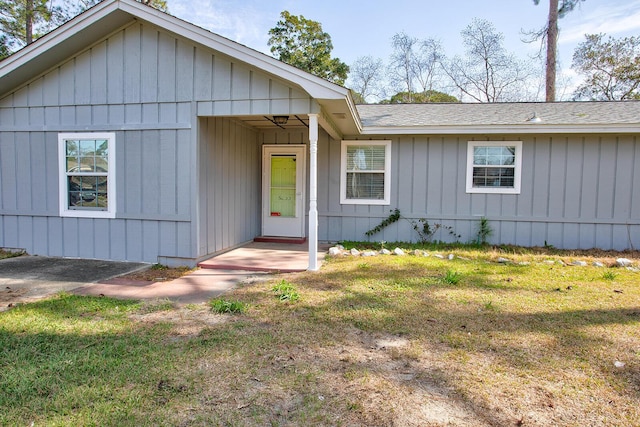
{"points": [[365, 172], [494, 167], [87, 174]]}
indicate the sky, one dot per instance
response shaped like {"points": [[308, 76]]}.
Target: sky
{"points": [[365, 28]]}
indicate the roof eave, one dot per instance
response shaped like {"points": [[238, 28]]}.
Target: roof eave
{"points": [[500, 129]]}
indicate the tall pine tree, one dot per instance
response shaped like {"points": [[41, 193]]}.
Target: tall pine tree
{"points": [[557, 9]]}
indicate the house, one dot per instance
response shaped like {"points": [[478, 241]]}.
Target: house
{"points": [[129, 134]]}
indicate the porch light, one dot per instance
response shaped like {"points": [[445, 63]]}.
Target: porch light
{"points": [[280, 120]]}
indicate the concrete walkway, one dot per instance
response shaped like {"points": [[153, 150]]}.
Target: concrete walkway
{"points": [[29, 278], [194, 288], [255, 261]]}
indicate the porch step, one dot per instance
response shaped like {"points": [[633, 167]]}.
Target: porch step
{"points": [[272, 239]]}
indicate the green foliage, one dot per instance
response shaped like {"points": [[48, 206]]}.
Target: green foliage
{"points": [[426, 231], [301, 42], [488, 306], [23, 21], [611, 68], [156, 4], [452, 277], [394, 217], [609, 275], [4, 49], [285, 291], [564, 6], [420, 97], [10, 254], [422, 227], [222, 306], [484, 231]]}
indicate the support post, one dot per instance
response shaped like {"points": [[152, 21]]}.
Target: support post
{"points": [[313, 192]]}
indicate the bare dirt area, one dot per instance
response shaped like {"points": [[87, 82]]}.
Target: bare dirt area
{"points": [[9, 297], [158, 273], [184, 322]]}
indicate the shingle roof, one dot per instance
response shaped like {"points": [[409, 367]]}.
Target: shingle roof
{"points": [[499, 114]]}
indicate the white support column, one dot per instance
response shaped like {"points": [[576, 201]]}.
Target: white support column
{"points": [[313, 192]]}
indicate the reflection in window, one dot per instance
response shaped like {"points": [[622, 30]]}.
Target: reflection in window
{"points": [[494, 167], [87, 167], [365, 172], [86, 172]]}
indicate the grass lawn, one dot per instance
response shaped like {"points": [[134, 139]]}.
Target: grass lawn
{"points": [[394, 340]]}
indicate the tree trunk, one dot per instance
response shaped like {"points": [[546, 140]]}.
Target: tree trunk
{"points": [[552, 47], [28, 22]]}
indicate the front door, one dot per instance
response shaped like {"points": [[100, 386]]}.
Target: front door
{"points": [[283, 198]]}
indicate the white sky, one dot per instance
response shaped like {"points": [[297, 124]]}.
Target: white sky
{"points": [[361, 28]]}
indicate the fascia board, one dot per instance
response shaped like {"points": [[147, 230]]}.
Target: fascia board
{"points": [[499, 129]]}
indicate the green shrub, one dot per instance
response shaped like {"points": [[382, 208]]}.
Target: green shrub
{"points": [[452, 277], [285, 291], [223, 306]]}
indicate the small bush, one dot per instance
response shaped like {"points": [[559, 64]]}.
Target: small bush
{"points": [[285, 291], [11, 253], [223, 306], [484, 231], [452, 277], [609, 275]]}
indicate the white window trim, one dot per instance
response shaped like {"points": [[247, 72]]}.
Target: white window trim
{"points": [[387, 174], [517, 172], [111, 177]]}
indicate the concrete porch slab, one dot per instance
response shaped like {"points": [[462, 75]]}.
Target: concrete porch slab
{"points": [[266, 256]]}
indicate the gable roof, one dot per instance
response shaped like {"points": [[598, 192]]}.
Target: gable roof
{"points": [[501, 118], [109, 15], [341, 115]]}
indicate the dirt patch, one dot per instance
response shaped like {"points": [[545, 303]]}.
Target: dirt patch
{"points": [[9, 297], [185, 321], [158, 273]]}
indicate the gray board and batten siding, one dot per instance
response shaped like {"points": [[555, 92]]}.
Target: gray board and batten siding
{"points": [[578, 191], [148, 86]]}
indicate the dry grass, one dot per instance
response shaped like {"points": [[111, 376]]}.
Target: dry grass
{"points": [[159, 273], [4, 254], [381, 341]]}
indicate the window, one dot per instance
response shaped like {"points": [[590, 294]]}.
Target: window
{"points": [[494, 167], [364, 172], [87, 174]]}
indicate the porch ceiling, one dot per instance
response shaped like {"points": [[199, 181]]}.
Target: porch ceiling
{"points": [[267, 122]]}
